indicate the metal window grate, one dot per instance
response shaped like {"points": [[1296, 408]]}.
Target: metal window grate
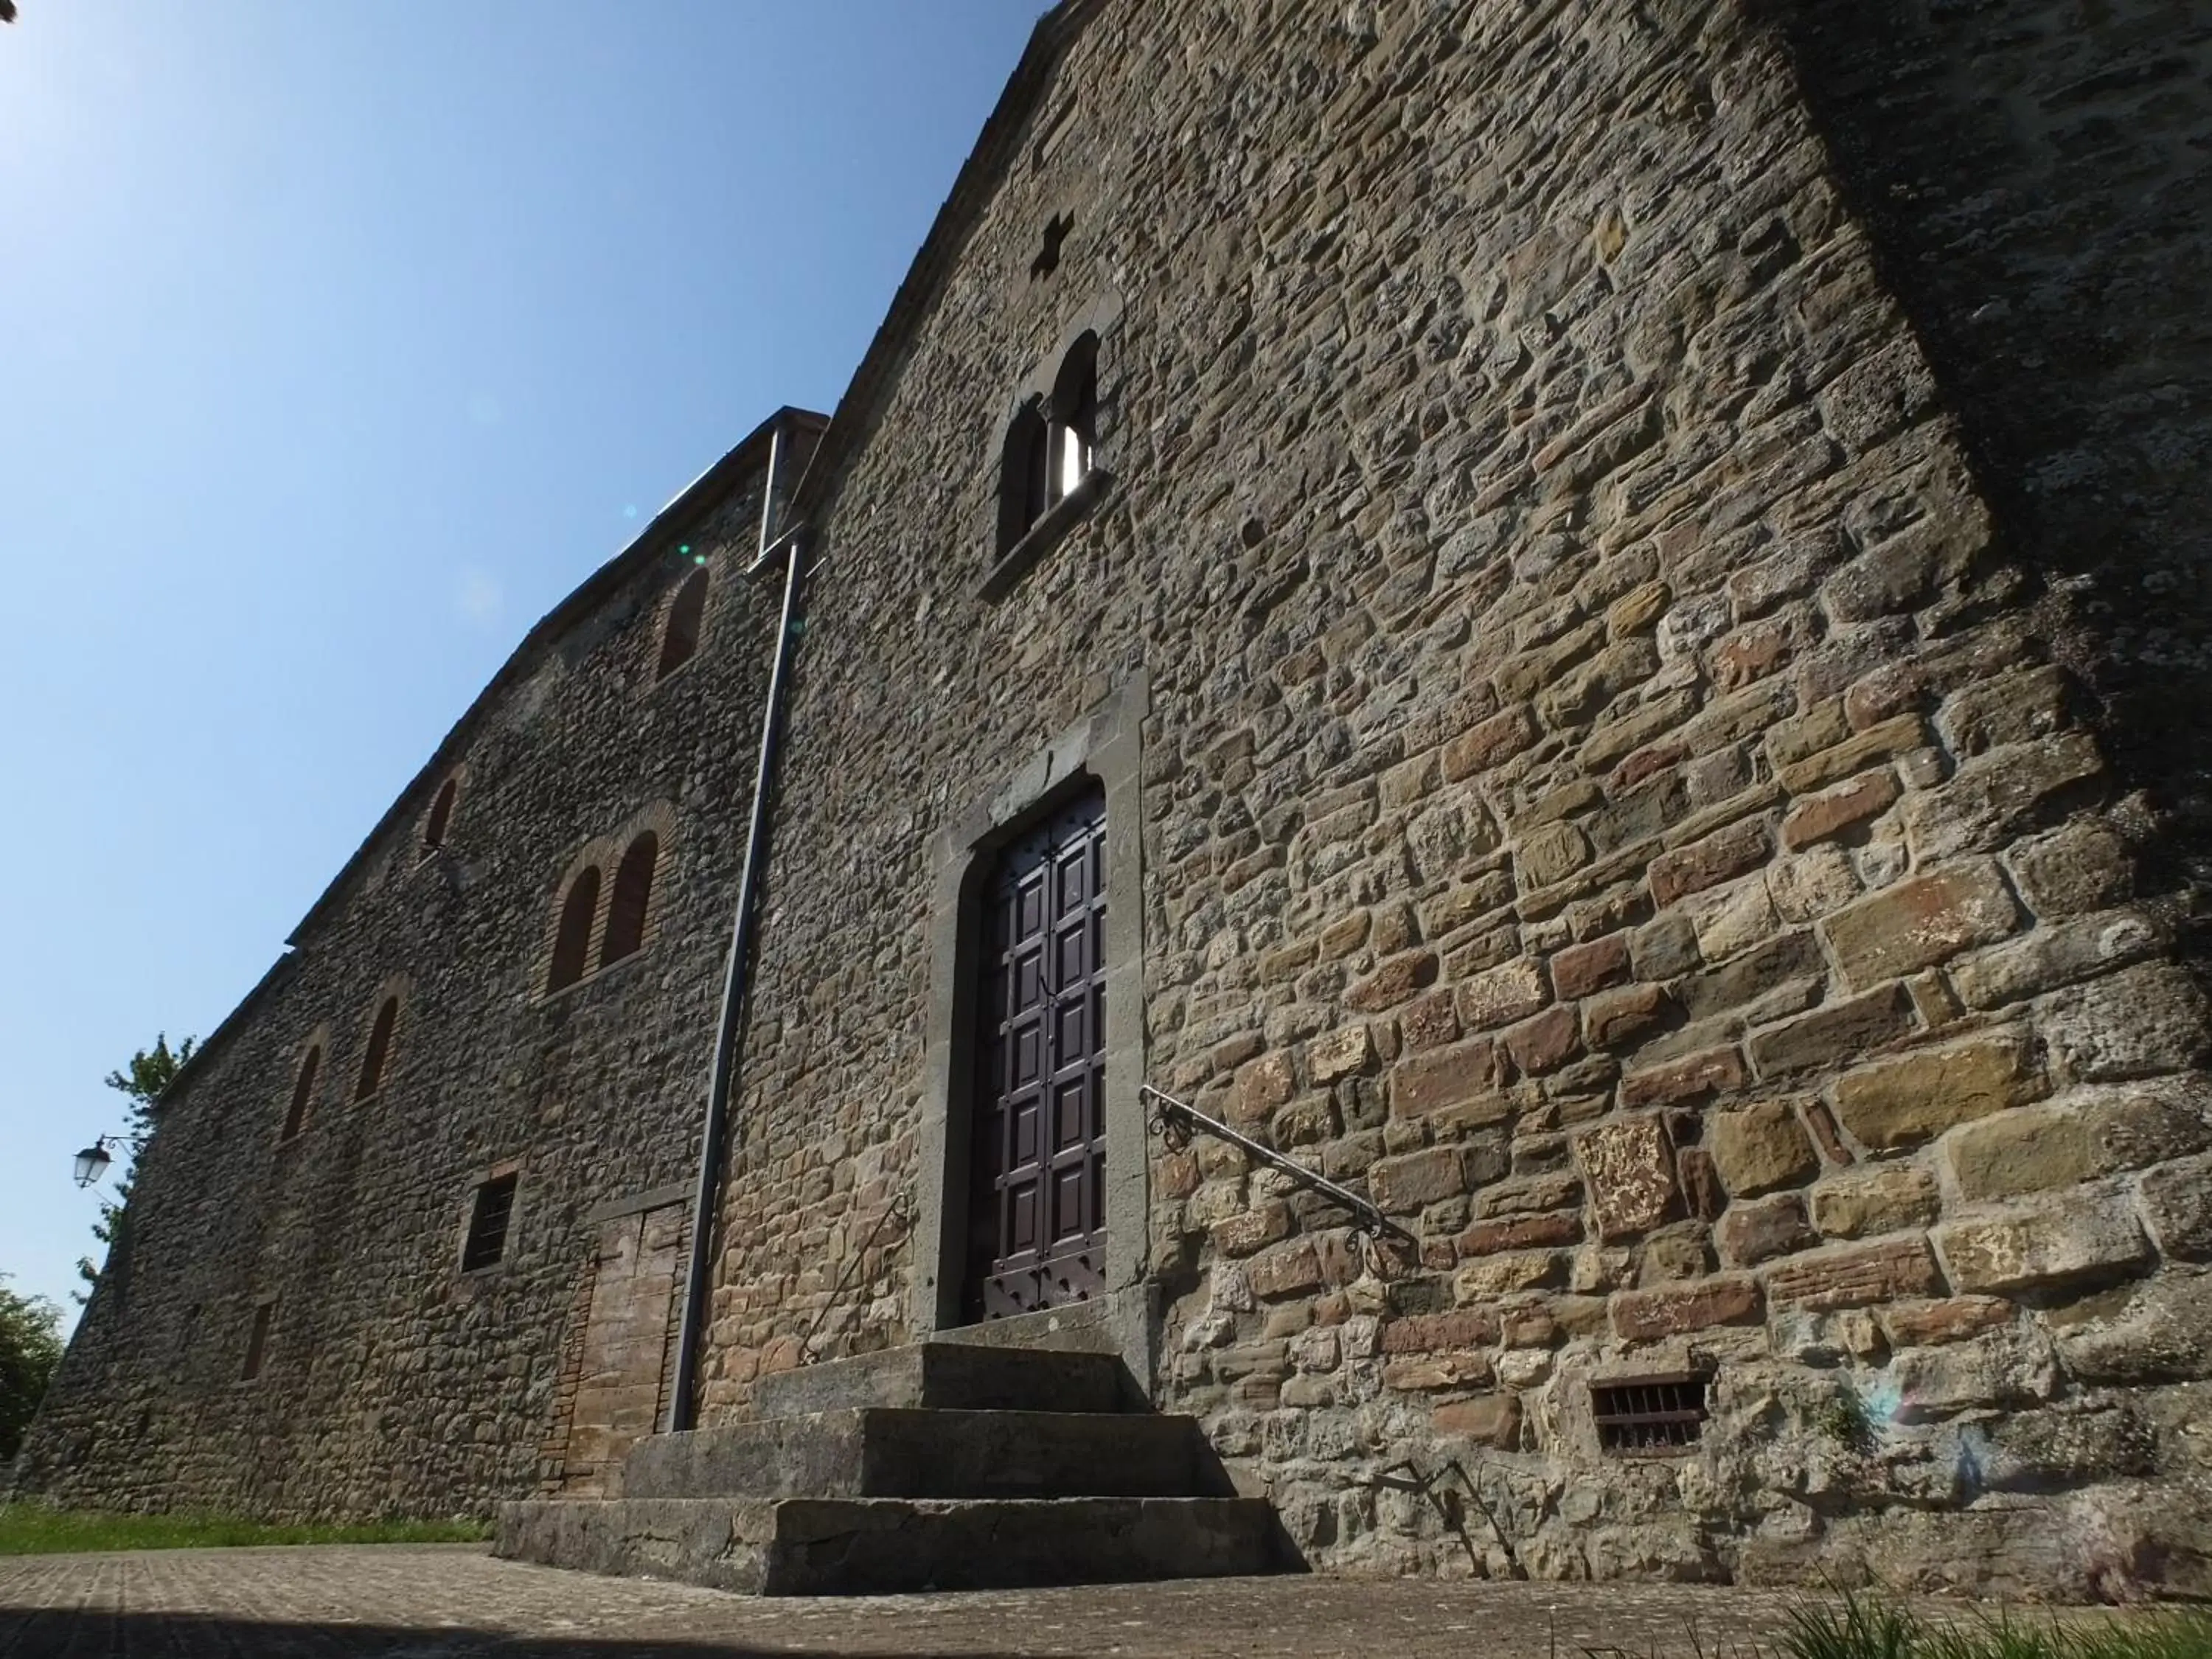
{"points": [[1648, 1413], [494, 1207]]}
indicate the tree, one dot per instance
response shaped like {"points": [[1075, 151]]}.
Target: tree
{"points": [[30, 1348], [151, 1072]]}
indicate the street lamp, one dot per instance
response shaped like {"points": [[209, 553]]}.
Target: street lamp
{"points": [[92, 1163]]}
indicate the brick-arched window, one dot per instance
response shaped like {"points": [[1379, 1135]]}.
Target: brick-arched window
{"points": [[633, 895], [575, 939], [377, 1055], [441, 816], [303, 1092], [686, 613]]}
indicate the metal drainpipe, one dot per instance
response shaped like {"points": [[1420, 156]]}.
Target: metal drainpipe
{"points": [[683, 1405]]}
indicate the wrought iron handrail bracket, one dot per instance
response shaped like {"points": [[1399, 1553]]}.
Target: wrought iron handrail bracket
{"points": [[1175, 1122]]}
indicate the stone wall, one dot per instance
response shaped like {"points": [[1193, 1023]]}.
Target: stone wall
{"points": [[1608, 791], [394, 1382]]}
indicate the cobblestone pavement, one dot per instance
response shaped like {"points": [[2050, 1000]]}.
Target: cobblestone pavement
{"points": [[456, 1602]]}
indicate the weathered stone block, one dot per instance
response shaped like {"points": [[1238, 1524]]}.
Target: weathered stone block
{"points": [[1462, 1327], [1401, 1185], [1392, 982], [2177, 1202], [1545, 1042], [1498, 739], [1491, 1419], [1834, 811], [1894, 1103], [2132, 1024], [1948, 1319], [2157, 1332], [1649, 1316], [2010, 1367], [2086, 1234], [1790, 958], [1431, 1022], [1757, 1231], [1550, 854], [1855, 1275], [1261, 1087], [1617, 1020], [2052, 956], [1720, 857], [1854, 754], [1993, 797], [1253, 1229], [2025, 706], [1833, 1033], [1728, 920], [1340, 1054], [1521, 1232], [1630, 1169], [1920, 922], [2081, 867], [1886, 1198], [1492, 1277], [1710, 1071], [1511, 991], [1582, 969], [2065, 1143], [1285, 1270], [1760, 1148], [1444, 1077]]}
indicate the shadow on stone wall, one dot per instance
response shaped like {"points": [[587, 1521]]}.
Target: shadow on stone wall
{"points": [[51, 1633], [2037, 177]]}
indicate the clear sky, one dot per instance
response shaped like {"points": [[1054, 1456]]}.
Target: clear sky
{"points": [[337, 343]]}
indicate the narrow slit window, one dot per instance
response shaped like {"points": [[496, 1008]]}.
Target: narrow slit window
{"points": [[575, 939], [376, 1060], [1075, 416], [257, 1344], [441, 817], [303, 1092], [1025, 478], [1650, 1414], [488, 1220], [687, 614], [633, 897]]}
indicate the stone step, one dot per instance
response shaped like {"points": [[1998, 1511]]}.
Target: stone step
{"points": [[951, 1376], [883, 1546], [888, 1453]]}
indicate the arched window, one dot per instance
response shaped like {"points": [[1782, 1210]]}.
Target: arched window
{"points": [[686, 612], [574, 937], [633, 895], [441, 816], [1026, 475], [373, 1063], [1074, 416], [303, 1092]]}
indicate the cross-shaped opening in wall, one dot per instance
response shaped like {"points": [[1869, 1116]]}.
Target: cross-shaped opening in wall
{"points": [[1055, 233]]}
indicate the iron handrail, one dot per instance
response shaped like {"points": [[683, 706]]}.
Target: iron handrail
{"points": [[1174, 1120]]}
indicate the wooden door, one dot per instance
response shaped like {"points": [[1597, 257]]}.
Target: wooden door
{"points": [[1038, 1234]]}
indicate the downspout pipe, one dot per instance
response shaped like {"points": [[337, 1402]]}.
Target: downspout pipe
{"points": [[698, 1278]]}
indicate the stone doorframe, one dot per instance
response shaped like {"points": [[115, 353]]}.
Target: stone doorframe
{"points": [[1104, 746]]}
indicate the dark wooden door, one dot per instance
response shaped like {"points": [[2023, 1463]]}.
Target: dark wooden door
{"points": [[1037, 1237]]}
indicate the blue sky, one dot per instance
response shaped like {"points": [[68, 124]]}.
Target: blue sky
{"points": [[337, 341]]}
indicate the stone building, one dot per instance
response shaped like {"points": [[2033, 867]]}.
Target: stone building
{"points": [[1584, 619]]}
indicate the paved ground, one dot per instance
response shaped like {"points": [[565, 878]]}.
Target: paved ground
{"points": [[456, 1602]]}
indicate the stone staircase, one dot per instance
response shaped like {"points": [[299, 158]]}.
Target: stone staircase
{"points": [[943, 1465]]}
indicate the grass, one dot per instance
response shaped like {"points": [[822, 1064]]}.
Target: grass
{"points": [[37, 1529], [1864, 1627]]}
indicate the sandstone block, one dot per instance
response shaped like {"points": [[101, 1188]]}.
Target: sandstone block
{"points": [[1834, 811], [2157, 1332], [1462, 1327], [1665, 948], [1710, 1071], [1616, 1019], [1582, 969], [2010, 1367], [1948, 1319], [1253, 1229], [2081, 867], [2137, 1022], [1915, 1096], [2065, 1143], [1719, 857], [1760, 1148], [2025, 706], [1920, 922], [2177, 1202], [1807, 888], [1833, 1033], [2086, 1234], [1511, 991], [1759, 1231], [1393, 981], [1491, 1420], [1545, 1042], [1261, 1086], [1855, 1275], [1521, 1232], [1637, 609], [1431, 1022], [1991, 799], [1498, 739], [1630, 1168], [1444, 1077], [1854, 754], [1886, 1198], [1648, 1315], [1503, 1275], [1340, 1054], [2052, 957], [1788, 958], [1550, 854], [1401, 1185], [1432, 1371], [1727, 920]]}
